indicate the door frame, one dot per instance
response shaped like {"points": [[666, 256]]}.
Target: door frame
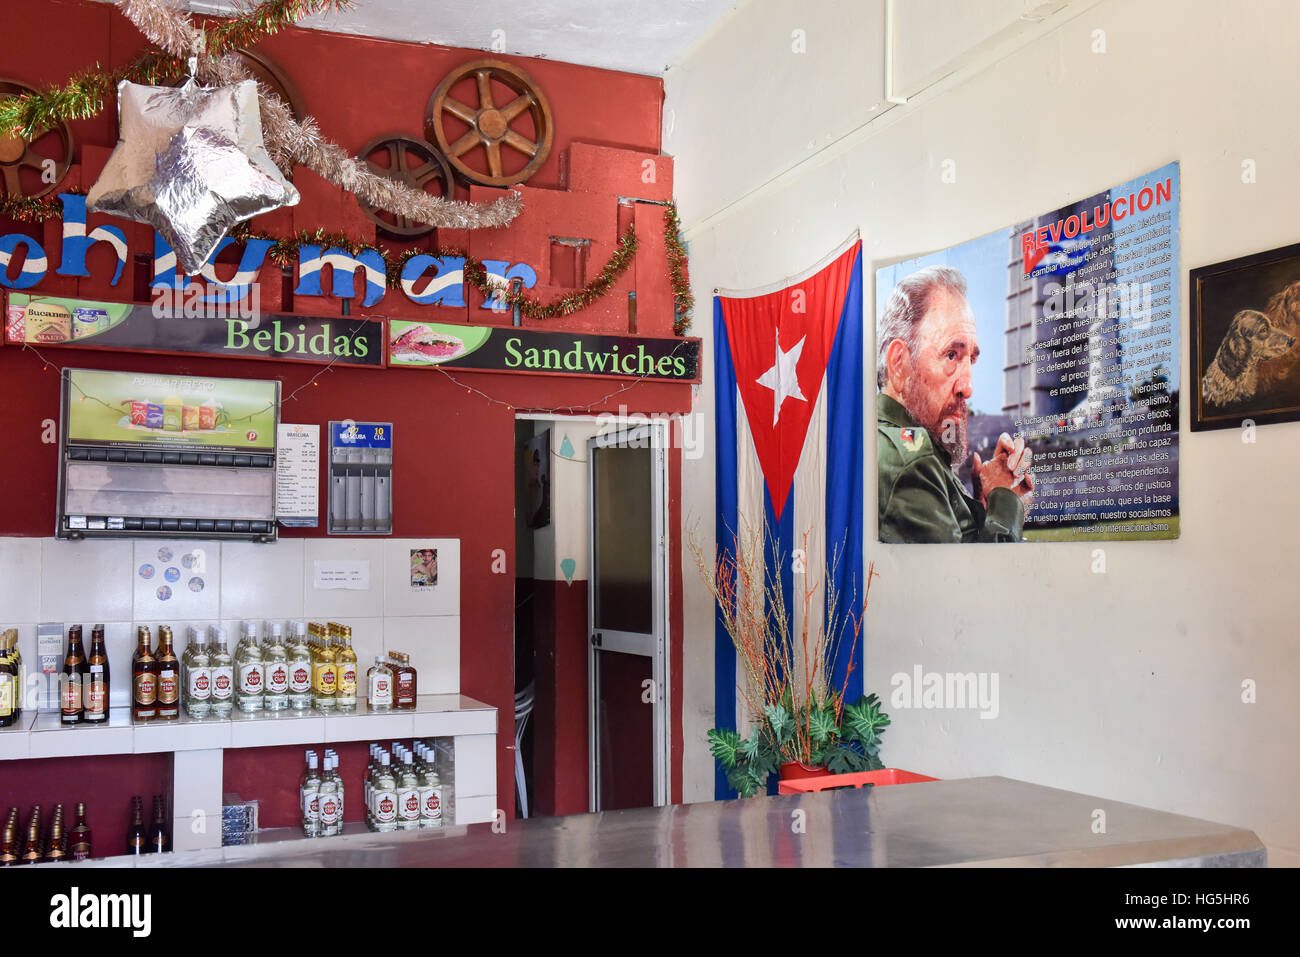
{"points": [[625, 431]]}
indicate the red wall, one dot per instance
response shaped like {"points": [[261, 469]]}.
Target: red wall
{"points": [[453, 448]]}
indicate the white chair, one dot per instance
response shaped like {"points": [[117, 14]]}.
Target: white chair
{"points": [[523, 708]]}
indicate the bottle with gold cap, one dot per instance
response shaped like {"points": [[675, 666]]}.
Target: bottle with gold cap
{"points": [[32, 849], [324, 672], [9, 711], [144, 678], [345, 698], [57, 848], [80, 836], [9, 841]]}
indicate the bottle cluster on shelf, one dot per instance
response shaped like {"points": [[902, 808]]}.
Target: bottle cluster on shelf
{"points": [[13, 678], [59, 843], [156, 838], [402, 790]]}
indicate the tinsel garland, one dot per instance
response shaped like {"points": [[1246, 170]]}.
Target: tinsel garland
{"points": [[85, 94], [285, 250], [288, 141], [683, 299]]}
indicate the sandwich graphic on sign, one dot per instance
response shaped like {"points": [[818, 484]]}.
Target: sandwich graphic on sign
{"points": [[421, 344]]}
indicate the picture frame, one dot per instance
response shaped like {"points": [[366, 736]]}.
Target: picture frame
{"points": [[1245, 340]]}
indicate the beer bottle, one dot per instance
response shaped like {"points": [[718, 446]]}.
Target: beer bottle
{"points": [[136, 841], [71, 678], [144, 679], [32, 849], [159, 842], [57, 849], [96, 687], [80, 837], [169, 677], [8, 681], [9, 842]]}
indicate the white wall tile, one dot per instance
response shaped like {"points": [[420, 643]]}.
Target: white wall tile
{"points": [[330, 603], [197, 777], [85, 580], [20, 578], [475, 810], [403, 599], [262, 581], [434, 646], [191, 564], [476, 764], [119, 639]]}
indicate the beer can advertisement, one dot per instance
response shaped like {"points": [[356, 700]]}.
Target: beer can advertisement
{"points": [[127, 408], [1028, 380]]}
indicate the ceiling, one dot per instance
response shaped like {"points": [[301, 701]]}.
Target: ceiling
{"points": [[636, 36]]}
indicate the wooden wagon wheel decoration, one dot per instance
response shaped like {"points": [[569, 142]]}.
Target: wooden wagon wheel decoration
{"points": [[414, 163], [51, 146], [490, 124]]}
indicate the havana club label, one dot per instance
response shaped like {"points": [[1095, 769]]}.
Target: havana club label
{"points": [[223, 682], [330, 809], [300, 678], [169, 687], [385, 804], [146, 689]]}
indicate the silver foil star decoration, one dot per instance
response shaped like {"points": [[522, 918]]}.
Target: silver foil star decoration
{"points": [[190, 162]]}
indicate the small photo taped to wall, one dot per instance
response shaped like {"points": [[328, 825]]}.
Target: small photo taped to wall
{"points": [[424, 567]]}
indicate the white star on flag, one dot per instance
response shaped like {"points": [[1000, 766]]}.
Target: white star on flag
{"points": [[782, 378]]}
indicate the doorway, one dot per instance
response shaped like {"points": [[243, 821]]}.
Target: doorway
{"points": [[591, 614]]}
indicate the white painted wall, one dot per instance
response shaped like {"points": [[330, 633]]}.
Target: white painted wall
{"points": [[1124, 684]]}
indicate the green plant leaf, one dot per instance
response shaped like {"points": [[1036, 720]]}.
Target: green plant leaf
{"points": [[847, 761], [725, 744], [822, 725], [864, 722], [780, 722]]}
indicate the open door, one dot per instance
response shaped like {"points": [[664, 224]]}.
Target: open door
{"points": [[628, 612]]}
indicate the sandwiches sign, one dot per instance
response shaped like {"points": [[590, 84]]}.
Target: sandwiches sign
{"points": [[512, 349]]}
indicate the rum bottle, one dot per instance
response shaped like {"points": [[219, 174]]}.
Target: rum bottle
{"points": [[57, 848], [251, 671], [196, 672], [299, 662], [408, 795], [331, 815], [9, 841], [8, 681], [325, 675], [379, 682], [144, 678], [71, 700], [404, 690], [276, 667], [80, 837], [221, 669], [384, 796], [169, 677], [345, 695], [96, 683], [430, 794], [32, 849], [309, 797]]}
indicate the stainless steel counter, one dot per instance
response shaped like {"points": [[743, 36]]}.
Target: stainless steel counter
{"points": [[988, 821]]}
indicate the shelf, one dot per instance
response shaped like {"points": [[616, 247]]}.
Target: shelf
{"points": [[435, 716]]}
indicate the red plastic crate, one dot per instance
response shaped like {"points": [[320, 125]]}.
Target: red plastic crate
{"points": [[829, 782]]}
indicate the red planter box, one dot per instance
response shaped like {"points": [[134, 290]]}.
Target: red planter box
{"points": [[828, 782]]}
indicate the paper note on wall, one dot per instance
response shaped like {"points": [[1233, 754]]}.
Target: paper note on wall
{"points": [[297, 475], [350, 574]]}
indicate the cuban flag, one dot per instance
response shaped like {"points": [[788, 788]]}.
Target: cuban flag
{"points": [[788, 378]]}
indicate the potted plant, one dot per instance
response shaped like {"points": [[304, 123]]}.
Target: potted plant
{"points": [[800, 726]]}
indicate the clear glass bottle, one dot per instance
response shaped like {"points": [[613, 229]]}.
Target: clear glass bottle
{"points": [[250, 671], [309, 797], [379, 684], [299, 661], [408, 794], [197, 666], [330, 811], [276, 659], [430, 792], [223, 676], [384, 795], [324, 675], [343, 797]]}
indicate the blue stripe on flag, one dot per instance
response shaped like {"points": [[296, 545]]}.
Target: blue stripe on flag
{"points": [[724, 654], [844, 463]]}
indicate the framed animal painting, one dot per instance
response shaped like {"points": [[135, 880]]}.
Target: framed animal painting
{"points": [[1245, 316]]}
